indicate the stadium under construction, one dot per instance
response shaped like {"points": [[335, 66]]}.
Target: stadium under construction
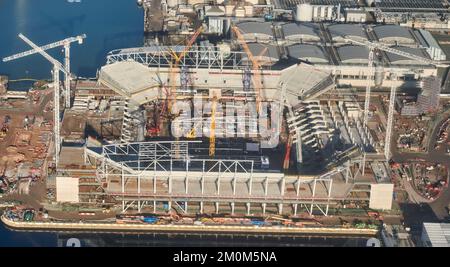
{"points": [[323, 155]]}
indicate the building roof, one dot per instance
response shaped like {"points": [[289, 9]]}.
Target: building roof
{"points": [[438, 234], [127, 77], [214, 11], [307, 52], [397, 59], [304, 81], [347, 30], [303, 31], [251, 27], [264, 52], [353, 54], [393, 33]]}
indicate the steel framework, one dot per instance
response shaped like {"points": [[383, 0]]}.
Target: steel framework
{"points": [[162, 56], [140, 167]]}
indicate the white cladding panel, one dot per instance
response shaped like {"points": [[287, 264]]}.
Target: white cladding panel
{"points": [[67, 189]]}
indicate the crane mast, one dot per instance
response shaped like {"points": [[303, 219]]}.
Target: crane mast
{"points": [[376, 45], [66, 44], [57, 67], [255, 64]]}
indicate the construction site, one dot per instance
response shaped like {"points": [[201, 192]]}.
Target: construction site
{"points": [[234, 108]]}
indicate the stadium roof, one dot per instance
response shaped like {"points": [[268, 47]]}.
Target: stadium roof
{"points": [[397, 59], [303, 31], [304, 81], [353, 54], [250, 27], [127, 77], [307, 52], [393, 33], [347, 30]]}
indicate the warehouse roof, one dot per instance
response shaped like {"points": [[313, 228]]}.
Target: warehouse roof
{"points": [[307, 52], [394, 33], [397, 59], [353, 54], [347, 30], [127, 77], [269, 52], [249, 27], [436, 234], [304, 30]]}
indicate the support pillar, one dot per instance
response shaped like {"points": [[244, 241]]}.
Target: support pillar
{"points": [[280, 208]]}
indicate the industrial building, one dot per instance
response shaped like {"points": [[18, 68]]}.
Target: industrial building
{"points": [[436, 235], [413, 13]]}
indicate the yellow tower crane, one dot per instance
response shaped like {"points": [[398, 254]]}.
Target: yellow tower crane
{"points": [[256, 66], [174, 65]]}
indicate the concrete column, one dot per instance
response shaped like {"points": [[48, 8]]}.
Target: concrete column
{"points": [[154, 206], [280, 208], [202, 185], [314, 188], [170, 184], [217, 207], [154, 184], [264, 208], [283, 185], [330, 185], [295, 209], [232, 208], [201, 207], [248, 208], [266, 186]]}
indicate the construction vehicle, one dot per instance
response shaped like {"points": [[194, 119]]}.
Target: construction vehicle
{"points": [[375, 214]]}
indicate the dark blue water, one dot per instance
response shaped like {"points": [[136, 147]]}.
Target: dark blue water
{"points": [[108, 24], [11, 238]]}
